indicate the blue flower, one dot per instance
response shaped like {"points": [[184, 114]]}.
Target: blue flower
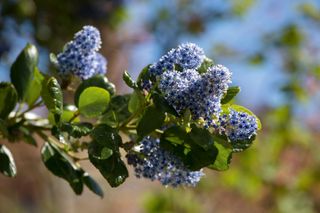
{"points": [[187, 56], [154, 163], [200, 93], [218, 77], [80, 57], [101, 67], [239, 126], [88, 39]]}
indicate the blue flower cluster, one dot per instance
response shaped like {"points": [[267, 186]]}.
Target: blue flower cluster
{"points": [[185, 88], [154, 163], [239, 126], [200, 93], [187, 56], [80, 56]]}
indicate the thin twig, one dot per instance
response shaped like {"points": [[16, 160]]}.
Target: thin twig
{"points": [[75, 115]]}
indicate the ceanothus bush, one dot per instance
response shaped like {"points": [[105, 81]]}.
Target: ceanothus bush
{"points": [[178, 120]]}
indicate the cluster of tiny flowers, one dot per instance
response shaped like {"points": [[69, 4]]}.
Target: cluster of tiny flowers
{"points": [[154, 163], [218, 77], [187, 56], [239, 126], [200, 93], [80, 56]]}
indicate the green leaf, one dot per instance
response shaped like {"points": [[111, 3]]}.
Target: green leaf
{"points": [[196, 149], [93, 101], [34, 89], [231, 93], [118, 174], [207, 62], [7, 164], [224, 156], [52, 96], [201, 137], [179, 150], [92, 184], [161, 103], [105, 156], [128, 80], [106, 136], [67, 114], [77, 130], [22, 69], [175, 135], [198, 157], [118, 110], [152, 119], [60, 165], [112, 168], [143, 76], [243, 109], [8, 99], [193, 156], [136, 101], [95, 81]]}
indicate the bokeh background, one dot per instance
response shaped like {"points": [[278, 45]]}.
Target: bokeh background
{"points": [[273, 50]]}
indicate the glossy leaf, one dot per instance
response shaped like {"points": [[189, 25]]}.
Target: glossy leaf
{"points": [[224, 156], [118, 110], [152, 119], [109, 163], [136, 101], [106, 136], [34, 89], [198, 157], [201, 137], [205, 65], [95, 81], [231, 93], [77, 130], [8, 99], [60, 165], [7, 164], [112, 169], [22, 70], [175, 135], [179, 150], [143, 76], [128, 80], [93, 101], [52, 96]]}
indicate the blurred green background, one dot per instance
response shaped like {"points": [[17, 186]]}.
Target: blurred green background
{"points": [[273, 50]]}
